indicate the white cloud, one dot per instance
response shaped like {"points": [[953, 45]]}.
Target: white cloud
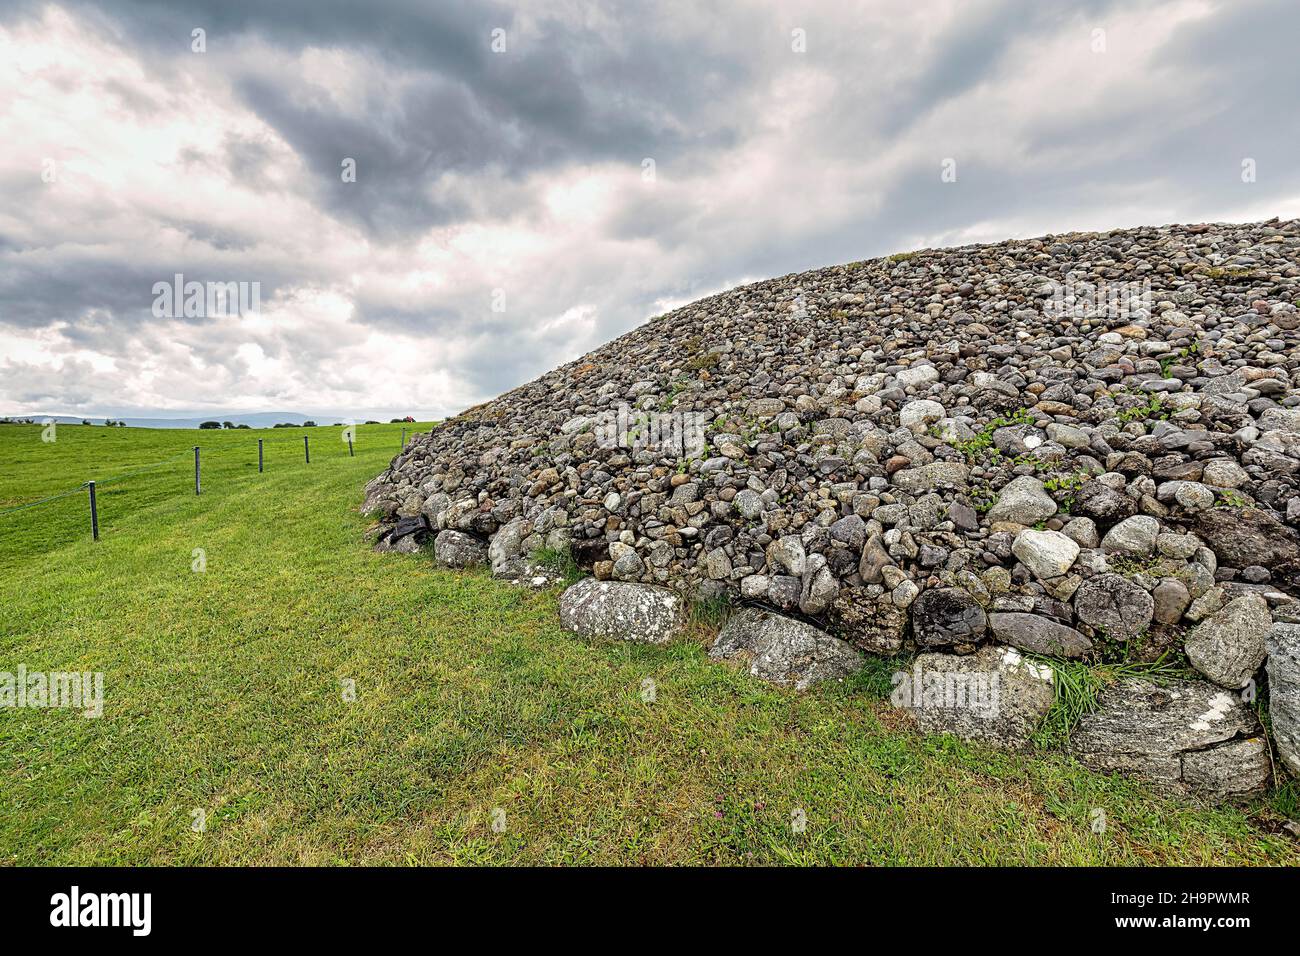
{"points": [[516, 179]]}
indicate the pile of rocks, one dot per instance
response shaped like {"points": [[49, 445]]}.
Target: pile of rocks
{"points": [[1082, 446]]}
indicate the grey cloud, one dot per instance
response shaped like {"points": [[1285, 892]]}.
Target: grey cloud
{"points": [[564, 95], [450, 135]]}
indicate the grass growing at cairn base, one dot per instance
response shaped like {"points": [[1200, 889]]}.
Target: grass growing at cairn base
{"points": [[223, 694]]}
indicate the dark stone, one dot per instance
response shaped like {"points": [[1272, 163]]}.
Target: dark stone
{"points": [[948, 618], [418, 526], [1039, 635], [587, 553], [1103, 504], [875, 626], [1242, 537]]}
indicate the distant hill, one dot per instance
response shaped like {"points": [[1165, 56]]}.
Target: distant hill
{"points": [[251, 419]]}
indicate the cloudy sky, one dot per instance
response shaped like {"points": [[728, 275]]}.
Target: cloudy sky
{"points": [[532, 180]]}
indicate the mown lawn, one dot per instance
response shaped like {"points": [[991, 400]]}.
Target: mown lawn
{"points": [[224, 692]]}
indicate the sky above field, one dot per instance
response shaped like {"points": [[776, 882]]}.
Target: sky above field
{"points": [[435, 202]]}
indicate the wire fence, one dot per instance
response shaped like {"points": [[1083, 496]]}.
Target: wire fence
{"points": [[199, 454]]}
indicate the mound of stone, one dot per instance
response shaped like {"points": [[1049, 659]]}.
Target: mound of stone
{"points": [[1099, 430]]}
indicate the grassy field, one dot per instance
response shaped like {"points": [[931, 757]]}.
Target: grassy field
{"points": [[225, 693]]}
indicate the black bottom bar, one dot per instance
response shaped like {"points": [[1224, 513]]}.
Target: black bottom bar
{"points": [[976, 907]]}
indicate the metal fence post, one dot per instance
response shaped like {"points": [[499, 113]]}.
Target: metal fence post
{"points": [[259, 456], [94, 514], [197, 487], [403, 448], [306, 449]]}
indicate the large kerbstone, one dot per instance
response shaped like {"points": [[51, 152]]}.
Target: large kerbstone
{"points": [[1283, 647], [622, 610], [1228, 646], [1186, 736], [784, 651], [994, 696]]}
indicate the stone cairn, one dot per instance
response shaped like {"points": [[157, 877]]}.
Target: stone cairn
{"points": [[997, 458]]}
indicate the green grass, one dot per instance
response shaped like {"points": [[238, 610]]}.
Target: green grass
{"points": [[223, 693], [559, 561], [1079, 687]]}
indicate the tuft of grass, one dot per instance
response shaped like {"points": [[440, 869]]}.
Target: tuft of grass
{"points": [[1078, 689], [704, 361], [1229, 498], [710, 613], [559, 561], [876, 678], [1152, 409], [973, 448]]}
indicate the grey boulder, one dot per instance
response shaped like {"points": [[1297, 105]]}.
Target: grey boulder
{"points": [[1135, 535], [1241, 537], [1188, 737], [506, 550], [456, 549], [784, 651], [1024, 501], [1114, 605], [1039, 635], [994, 696], [1048, 554], [625, 611], [1228, 646]]}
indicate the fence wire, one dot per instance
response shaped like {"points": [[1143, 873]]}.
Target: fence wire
{"points": [[41, 501], [208, 453]]}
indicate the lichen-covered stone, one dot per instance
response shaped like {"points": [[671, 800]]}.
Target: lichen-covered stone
{"points": [[994, 696], [640, 613], [1186, 736], [784, 651]]}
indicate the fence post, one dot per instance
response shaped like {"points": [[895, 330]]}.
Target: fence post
{"points": [[403, 448], [306, 449], [197, 487], [350, 452], [94, 514], [259, 456]]}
